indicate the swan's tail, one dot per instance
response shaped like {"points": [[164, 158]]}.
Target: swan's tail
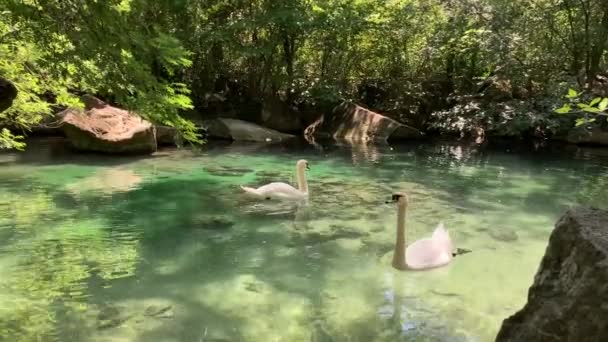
{"points": [[442, 235], [251, 191]]}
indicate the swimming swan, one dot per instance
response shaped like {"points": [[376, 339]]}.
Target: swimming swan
{"points": [[425, 253], [284, 191]]}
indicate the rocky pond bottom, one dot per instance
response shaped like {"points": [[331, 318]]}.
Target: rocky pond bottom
{"points": [[167, 248]]}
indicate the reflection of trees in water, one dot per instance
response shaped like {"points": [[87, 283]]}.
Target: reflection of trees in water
{"points": [[55, 257]]}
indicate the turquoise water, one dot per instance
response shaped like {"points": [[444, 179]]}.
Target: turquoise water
{"points": [[168, 248]]}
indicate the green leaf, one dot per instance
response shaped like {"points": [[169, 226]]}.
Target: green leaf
{"points": [[603, 105], [317, 9], [564, 109], [595, 101], [591, 109], [583, 121], [587, 108], [572, 93]]}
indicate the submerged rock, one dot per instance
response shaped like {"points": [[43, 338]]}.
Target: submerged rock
{"points": [[269, 174], [355, 124], [159, 311], [335, 233], [103, 128], [110, 316], [567, 301], [108, 312], [227, 171], [215, 223], [504, 235]]}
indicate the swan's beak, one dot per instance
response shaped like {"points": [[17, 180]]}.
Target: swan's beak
{"points": [[307, 167]]}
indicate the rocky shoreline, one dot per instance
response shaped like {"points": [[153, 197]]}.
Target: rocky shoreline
{"points": [[101, 127]]}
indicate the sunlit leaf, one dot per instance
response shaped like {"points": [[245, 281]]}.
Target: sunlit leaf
{"points": [[572, 93], [595, 101], [564, 109], [603, 105], [591, 109], [583, 121]]}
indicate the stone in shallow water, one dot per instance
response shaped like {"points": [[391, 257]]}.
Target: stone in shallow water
{"points": [[159, 311], [504, 235], [110, 317], [214, 223], [336, 232], [320, 333], [224, 171], [269, 174], [108, 312]]}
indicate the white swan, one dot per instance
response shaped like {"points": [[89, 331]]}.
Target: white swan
{"points": [[426, 253], [284, 191]]}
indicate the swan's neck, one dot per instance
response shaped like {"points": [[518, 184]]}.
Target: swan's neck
{"points": [[399, 255], [302, 184]]}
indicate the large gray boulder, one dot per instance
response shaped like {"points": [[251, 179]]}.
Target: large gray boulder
{"points": [[569, 298], [238, 130], [8, 92], [355, 124]]}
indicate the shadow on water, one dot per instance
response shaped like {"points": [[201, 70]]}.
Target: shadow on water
{"points": [[56, 151]]}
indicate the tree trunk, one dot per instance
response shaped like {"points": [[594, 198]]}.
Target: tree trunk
{"points": [[288, 54], [599, 47]]}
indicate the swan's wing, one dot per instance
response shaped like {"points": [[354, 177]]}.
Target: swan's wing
{"points": [[440, 232], [426, 253], [279, 190], [442, 238]]}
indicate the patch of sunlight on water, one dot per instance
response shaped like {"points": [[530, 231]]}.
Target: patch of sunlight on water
{"points": [[168, 248]]}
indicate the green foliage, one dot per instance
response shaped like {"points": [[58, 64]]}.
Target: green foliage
{"points": [[9, 140], [52, 48], [22, 62], [162, 58], [597, 106]]}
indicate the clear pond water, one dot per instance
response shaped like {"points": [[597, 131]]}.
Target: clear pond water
{"points": [[168, 248]]}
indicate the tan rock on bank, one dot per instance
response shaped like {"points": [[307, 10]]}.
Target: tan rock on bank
{"points": [[104, 128]]}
